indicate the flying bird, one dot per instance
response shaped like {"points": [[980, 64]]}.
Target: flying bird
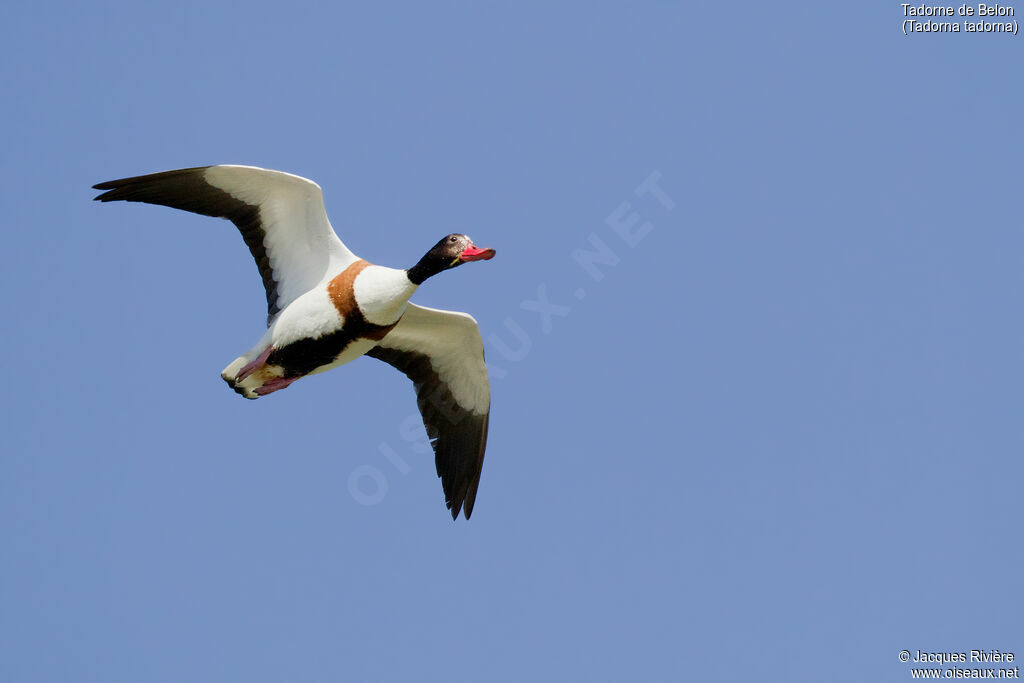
{"points": [[326, 306]]}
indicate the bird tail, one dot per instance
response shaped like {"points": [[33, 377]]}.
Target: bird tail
{"points": [[254, 377], [245, 387]]}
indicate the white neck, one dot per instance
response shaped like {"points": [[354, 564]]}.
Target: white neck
{"points": [[382, 294]]}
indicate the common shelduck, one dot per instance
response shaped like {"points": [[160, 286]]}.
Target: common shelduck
{"points": [[327, 307]]}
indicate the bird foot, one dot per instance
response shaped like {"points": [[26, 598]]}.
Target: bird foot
{"points": [[272, 385], [255, 365]]}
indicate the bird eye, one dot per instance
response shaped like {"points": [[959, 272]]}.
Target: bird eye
{"points": [[451, 238]]}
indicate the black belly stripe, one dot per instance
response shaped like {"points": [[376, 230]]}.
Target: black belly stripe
{"points": [[306, 355]]}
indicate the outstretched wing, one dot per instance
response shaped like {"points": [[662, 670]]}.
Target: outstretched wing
{"points": [[442, 353], [281, 218]]}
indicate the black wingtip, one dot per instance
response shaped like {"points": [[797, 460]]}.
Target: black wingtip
{"points": [[465, 508], [138, 188], [456, 507], [109, 186]]}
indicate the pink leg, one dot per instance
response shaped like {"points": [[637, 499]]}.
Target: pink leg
{"points": [[255, 365], [274, 385]]}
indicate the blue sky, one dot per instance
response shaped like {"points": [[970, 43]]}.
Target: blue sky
{"points": [[778, 439]]}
